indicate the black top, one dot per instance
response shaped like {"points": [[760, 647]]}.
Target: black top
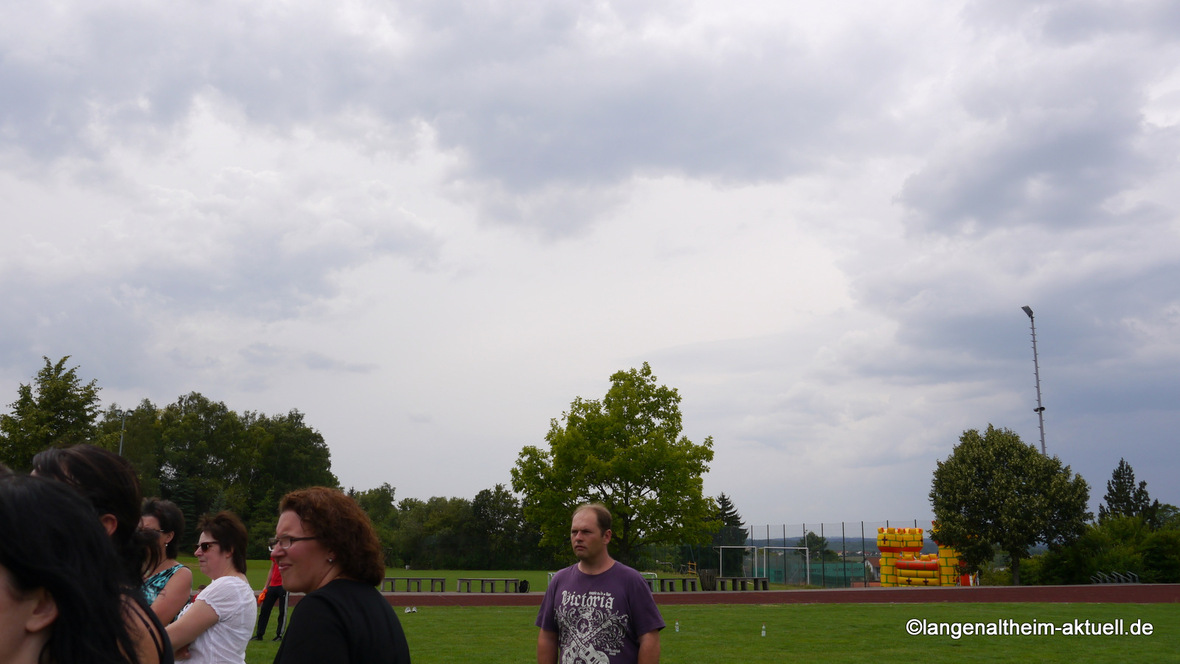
{"points": [[345, 622]]}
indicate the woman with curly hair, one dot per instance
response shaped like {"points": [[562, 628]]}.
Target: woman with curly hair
{"points": [[62, 599], [326, 547]]}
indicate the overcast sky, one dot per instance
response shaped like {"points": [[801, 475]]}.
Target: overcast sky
{"points": [[430, 225]]}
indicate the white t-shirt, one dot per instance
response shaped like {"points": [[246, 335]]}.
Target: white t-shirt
{"points": [[232, 600]]}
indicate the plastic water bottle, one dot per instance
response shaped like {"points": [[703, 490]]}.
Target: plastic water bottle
{"points": [[763, 629], [677, 625]]}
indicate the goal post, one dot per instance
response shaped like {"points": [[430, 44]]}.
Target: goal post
{"points": [[761, 567], [782, 562], [721, 549]]}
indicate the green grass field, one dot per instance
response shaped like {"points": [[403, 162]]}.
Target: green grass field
{"points": [[712, 634], [822, 632]]}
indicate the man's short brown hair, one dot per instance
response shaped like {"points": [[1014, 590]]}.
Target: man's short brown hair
{"points": [[601, 513]]}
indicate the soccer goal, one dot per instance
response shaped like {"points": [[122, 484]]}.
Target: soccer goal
{"points": [[790, 565]]}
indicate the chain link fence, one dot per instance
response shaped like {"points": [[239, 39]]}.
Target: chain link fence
{"points": [[818, 555]]}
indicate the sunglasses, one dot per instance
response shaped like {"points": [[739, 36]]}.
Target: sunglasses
{"points": [[204, 546]]}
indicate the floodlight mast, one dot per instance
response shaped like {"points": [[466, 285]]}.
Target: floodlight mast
{"points": [[122, 415], [1040, 409]]}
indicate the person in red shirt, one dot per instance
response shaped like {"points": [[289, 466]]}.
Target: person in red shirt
{"points": [[274, 593]]}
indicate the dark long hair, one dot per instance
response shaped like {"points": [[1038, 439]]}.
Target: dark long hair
{"points": [[109, 482], [52, 541], [171, 521]]}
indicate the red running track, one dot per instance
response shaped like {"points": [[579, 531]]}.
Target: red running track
{"points": [[1113, 594]]}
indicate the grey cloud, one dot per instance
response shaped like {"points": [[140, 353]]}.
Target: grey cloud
{"points": [[1036, 166], [524, 91], [321, 362], [265, 247], [83, 319]]}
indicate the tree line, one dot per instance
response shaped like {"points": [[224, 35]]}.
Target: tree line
{"points": [[205, 457], [996, 498]]}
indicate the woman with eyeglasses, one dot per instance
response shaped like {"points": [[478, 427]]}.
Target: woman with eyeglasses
{"points": [[216, 627], [326, 547], [168, 585]]}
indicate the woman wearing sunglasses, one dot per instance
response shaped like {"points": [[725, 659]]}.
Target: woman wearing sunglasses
{"points": [[218, 624]]}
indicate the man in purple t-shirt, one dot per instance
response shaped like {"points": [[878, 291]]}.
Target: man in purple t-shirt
{"points": [[598, 611]]}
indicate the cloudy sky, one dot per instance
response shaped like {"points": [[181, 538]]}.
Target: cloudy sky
{"points": [[431, 225]]}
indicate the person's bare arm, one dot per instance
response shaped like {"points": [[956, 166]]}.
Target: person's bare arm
{"points": [[649, 647], [174, 595], [547, 647], [199, 617]]}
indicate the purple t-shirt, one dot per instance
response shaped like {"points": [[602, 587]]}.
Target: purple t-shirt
{"points": [[599, 617]]}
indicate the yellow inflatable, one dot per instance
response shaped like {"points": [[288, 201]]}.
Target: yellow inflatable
{"points": [[903, 564]]}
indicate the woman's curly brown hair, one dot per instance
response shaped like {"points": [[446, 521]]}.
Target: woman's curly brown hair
{"points": [[342, 527]]}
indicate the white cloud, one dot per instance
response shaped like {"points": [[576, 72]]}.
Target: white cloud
{"points": [[430, 226]]}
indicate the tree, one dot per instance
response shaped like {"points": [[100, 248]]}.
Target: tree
{"points": [[996, 492], [140, 431], [731, 533], [200, 460], [381, 507], [436, 534], [627, 452], [498, 524], [56, 409], [817, 547], [1123, 498], [1118, 544], [727, 514]]}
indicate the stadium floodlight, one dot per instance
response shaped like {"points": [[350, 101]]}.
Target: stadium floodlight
{"points": [[122, 415], [1040, 409]]}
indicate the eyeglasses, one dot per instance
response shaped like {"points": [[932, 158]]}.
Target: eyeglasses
{"points": [[204, 546], [285, 543]]}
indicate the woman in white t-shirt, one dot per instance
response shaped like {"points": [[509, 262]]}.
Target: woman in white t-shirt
{"points": [[218, 624]]}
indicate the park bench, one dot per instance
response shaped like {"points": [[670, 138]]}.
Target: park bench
{"points": [[743, 583], [686, 583], [649, 577], [390, 582], [488, 584]]}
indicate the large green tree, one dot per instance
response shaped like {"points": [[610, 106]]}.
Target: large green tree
{"points": [[57, 408], [381, 507], [995, 492], [139, 434], [499, 524], [1118, 544], [627, 452], [1124, 498], [437, 534], [731, 533]]}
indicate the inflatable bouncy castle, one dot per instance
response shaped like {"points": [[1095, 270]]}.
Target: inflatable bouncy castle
{"points": [[903, 564]]}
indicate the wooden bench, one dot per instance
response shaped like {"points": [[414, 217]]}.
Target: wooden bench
{"points": [[437, 583], [649, 577], [488, 584], [743, 583], [686, 583]]}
